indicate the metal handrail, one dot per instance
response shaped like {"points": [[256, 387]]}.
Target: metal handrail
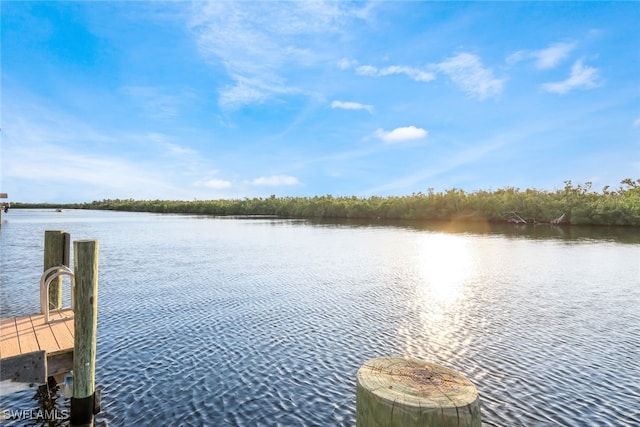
{"points": [[46, 279]]}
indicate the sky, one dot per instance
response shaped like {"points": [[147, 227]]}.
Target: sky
{"points": [[236, 99]]}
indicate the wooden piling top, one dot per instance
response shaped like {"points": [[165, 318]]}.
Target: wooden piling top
{"points": [[395, 391], [416, 383]]}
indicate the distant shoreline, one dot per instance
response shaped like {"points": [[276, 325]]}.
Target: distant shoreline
{"points": [[572, 205]]}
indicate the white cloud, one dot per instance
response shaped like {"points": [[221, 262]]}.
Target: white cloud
{"points": [[636, 123], [275, 181], [217, 184], [243, 93], [346, 63], [467, 72], [83, 175], [413, 73], [57, 156], [401, 134], [367, 70], [163, 140], [464, 69], [551, 56], [177, 150], [544, 58], [581, 77], [257, 43], [347, 105], [153, 102]]}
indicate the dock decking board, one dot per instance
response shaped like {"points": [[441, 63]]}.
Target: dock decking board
{"points": [[9, 345], [26, 335], [44, 335], [62, 329], [23, 335]]}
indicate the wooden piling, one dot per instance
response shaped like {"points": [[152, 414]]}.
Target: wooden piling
{"points": [[85, 323], [2, 196], [401, 392], [56, 252]]}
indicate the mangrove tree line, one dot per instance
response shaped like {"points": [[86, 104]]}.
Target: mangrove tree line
{"points": [[573, 204]]}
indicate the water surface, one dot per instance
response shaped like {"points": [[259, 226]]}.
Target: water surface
{"points": [[244, 321]]}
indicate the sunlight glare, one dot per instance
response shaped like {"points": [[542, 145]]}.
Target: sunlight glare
{"points": [[445, 262]]}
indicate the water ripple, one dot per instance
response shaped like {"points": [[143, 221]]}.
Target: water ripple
{"points": [[245, 323]]}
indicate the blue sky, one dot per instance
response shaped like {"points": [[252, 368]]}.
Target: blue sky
{"points": [[180, 100]]}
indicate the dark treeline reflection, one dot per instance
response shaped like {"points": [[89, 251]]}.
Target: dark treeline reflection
{"points": [[619, 234]]}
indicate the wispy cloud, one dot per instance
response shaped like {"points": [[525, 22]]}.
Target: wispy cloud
{"points": [[346, 63], [468, 73], [177, 150], [581, 77], [153, 101], [411, 72], [347, 105], [551, 56], [471, 155], [252, 90], [164, 141], [464, 69], [55, 170], [257, 43], [275, 181], [56, 155], [217, 184], [401, 134], [545, 58], [636, 123]]}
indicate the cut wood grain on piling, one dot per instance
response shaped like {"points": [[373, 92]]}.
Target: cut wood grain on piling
{"points": [[393, 391]]}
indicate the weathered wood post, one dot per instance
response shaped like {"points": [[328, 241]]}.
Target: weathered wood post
{"points": [[56, 252], [394, 391], [2, 196], [86, 323]]}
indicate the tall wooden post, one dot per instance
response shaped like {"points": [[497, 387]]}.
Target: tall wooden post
{"points": [[56, 252], [2, 196], [86, 324], [398, 392]]}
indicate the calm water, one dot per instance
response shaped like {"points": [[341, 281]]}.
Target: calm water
{"points": [[216, 321]]}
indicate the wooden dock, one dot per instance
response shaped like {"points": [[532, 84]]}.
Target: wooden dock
{"points": [[40, 348], [32, 350]]}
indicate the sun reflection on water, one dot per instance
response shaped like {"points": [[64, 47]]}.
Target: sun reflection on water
{"points": [[444, 266], [445, 261]]}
